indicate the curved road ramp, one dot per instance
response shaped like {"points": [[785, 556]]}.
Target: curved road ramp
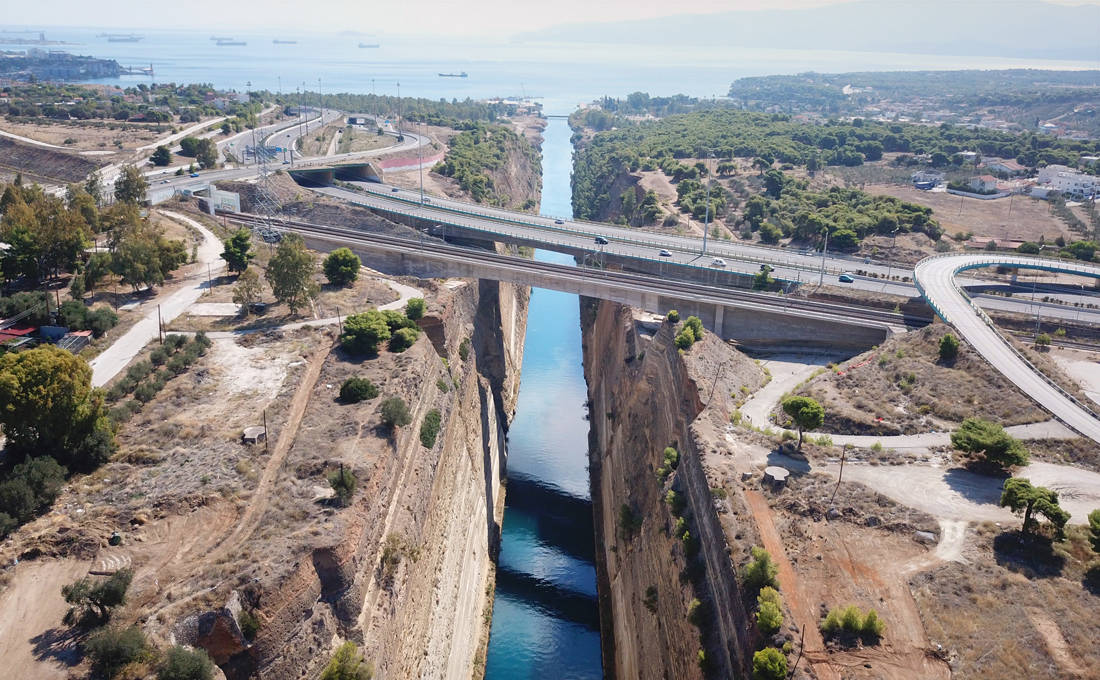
{"points": [[935, 278]]}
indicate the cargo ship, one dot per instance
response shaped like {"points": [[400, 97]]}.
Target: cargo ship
{"points": [[453, 75], [122, 37]]}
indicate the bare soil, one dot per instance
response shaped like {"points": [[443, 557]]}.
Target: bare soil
{"points": [[901, 387], [50, 166], [91, 136]]}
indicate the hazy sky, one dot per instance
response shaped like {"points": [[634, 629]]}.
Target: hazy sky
{"points": [[453, 17]]}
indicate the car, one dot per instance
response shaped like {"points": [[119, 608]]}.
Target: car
{"points": [[601, 240], [395, 190], [846, 278], [664, 253], [194, 174], [558, 222], [764, 268], [866, 260], [286, 162], [718, 262], [164, 181]]}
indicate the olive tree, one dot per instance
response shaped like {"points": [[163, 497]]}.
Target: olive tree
{"points": [[806, 413], [290, 273]]}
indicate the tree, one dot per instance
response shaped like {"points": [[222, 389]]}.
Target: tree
{"points": [[49, 408], [94, 186], [761, 571], [94, 600], [1020, 496], [769, 664], [141, 255], [76, 288], [762, 279], [181, 663], [806, 413], [990, 441], [414, 308], [341, 267], [949, 348], [290, 273], [773, 183], [95, 269], [363, 333], [343, 483], [395, 413], [130, 187], [248, 290], [355, 390], [238, 250], [1094, 530], [402, 339], [769, 618], [162, 156], [203, 150], [1042, 341], [761, 164], [113, 648], [347, 664]]}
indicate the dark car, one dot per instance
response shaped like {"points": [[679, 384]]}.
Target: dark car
{"points": [[558, 222], [395, 190], [846, 278], [601, 240]]}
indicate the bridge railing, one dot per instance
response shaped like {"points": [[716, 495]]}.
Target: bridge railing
{"points": [[1018, 261], [716, 248]]}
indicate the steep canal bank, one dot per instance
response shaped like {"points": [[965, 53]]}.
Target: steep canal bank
{"points": [[545, 617]]}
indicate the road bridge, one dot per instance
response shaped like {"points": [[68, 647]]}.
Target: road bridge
{"points": [[935, 278], [752, 318]]}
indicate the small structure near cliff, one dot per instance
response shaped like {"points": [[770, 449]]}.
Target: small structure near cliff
{"points": [[254, 435], [776, 476]]}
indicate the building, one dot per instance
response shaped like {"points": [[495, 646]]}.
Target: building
{"points": [[984, 184], [1006, 166], [1068, 181]]}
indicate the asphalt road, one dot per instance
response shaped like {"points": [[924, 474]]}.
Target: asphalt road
{"points": [[936, 277]]}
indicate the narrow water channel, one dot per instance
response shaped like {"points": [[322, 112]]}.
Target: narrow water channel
{"points": [[546, 619]]}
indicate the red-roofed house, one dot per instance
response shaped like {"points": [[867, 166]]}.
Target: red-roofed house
{"points": [[984, 183]]}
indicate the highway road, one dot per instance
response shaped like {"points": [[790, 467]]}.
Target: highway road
{"points": [[935, 277]]}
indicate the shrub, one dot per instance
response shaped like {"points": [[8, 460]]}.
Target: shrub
{"points": [[442, 385], [174, 341], [395, 413], [100, 320], [673, 316], [347, 664], [181, 663], [139, 370], [145, 392], [414, 308], [949, 348], [250, 625], [629, 521], [761, 571], [430, 428], [872, 627], [685, 338], [769, 618], [696, 327], [989, 441], [158, 356], [94, 600], [675, 502], [769, 594], [343, 482], [363, 333], [650, 600], [671, 460], [464, 349], [769, 664], [355, 390], [696, 613], [402, 339], [851, 623], [112, 648], [341, 267]]}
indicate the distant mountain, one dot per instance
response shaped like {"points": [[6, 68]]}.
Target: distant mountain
{"points": [[1005, 28]]}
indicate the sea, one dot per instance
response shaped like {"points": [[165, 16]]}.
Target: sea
{"points": [[561, 75]]}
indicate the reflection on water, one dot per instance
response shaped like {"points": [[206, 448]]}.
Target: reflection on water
{"points": [[545, 618]]}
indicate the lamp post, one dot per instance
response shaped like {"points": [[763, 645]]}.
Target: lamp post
{"points": [[824, 252], [1034, 285], [420, 157], [706, 222], [890, 262]]}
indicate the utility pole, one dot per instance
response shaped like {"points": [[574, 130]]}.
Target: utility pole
{"points": [[160, 326], [420, 158], [890, 262], [824, 252], [321, 101]]}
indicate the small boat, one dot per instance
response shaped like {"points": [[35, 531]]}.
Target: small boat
{"points": [[219, 39], [230, 43], [453, 75], [284, 42], [368, 45], [122, 37]]}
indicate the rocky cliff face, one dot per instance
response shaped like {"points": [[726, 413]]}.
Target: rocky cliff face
{"points": [[646, 396], [406, 570]]}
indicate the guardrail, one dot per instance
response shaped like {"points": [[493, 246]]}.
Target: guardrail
{"points": [[1010, 261]]}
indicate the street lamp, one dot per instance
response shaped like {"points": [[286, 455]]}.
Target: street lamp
{"points": [[1034, 285], [890, 262], [706, 222], [824, 252], [420, 157]]}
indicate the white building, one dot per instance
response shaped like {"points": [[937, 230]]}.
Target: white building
{"points": [[1068, 181]]}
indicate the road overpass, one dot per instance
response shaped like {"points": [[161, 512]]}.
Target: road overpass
{"points": [[935, 277], [752, 318]]}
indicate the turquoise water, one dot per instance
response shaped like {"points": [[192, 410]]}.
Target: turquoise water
{"points": [[545, 620]]}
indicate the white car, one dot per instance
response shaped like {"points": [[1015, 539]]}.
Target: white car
{"points": [[718, 262]]}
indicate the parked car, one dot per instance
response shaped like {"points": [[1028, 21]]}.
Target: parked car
{"points": [[395, 190], [718, 262], [194, 174], [558, 222], [601, 240], [846, 278], [664, 253]]}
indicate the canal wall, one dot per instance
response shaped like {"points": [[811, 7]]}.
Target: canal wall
{"points": [[646, 395]]}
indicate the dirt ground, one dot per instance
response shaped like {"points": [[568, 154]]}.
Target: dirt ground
{"points": [[89, 136], [1018, 217]]}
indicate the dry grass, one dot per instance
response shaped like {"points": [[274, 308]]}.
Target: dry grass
{"points": [[902, 388]]}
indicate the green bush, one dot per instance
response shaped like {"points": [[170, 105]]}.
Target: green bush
{"points": [[761, 571], [94, 600], [363, 333], [671, 460], [250, 625], [414, 308], [990, 442], [145, 392], [343, 482], [347, 664], [184, 664], [849, 622], [111, 648], [769, 618], [430, 428], [629, 521], [696, 613], [174, 341], [464, 349], [675, 502], [769, 664], [696, 327], [673, 316], [355, 390], [341, 267], [402, 339], [685, 338], [949, 348], [395, 413], [872, 627], [442, 385], [158, 356]]}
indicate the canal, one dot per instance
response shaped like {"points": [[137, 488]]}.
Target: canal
{"points": [[546, 618]]}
